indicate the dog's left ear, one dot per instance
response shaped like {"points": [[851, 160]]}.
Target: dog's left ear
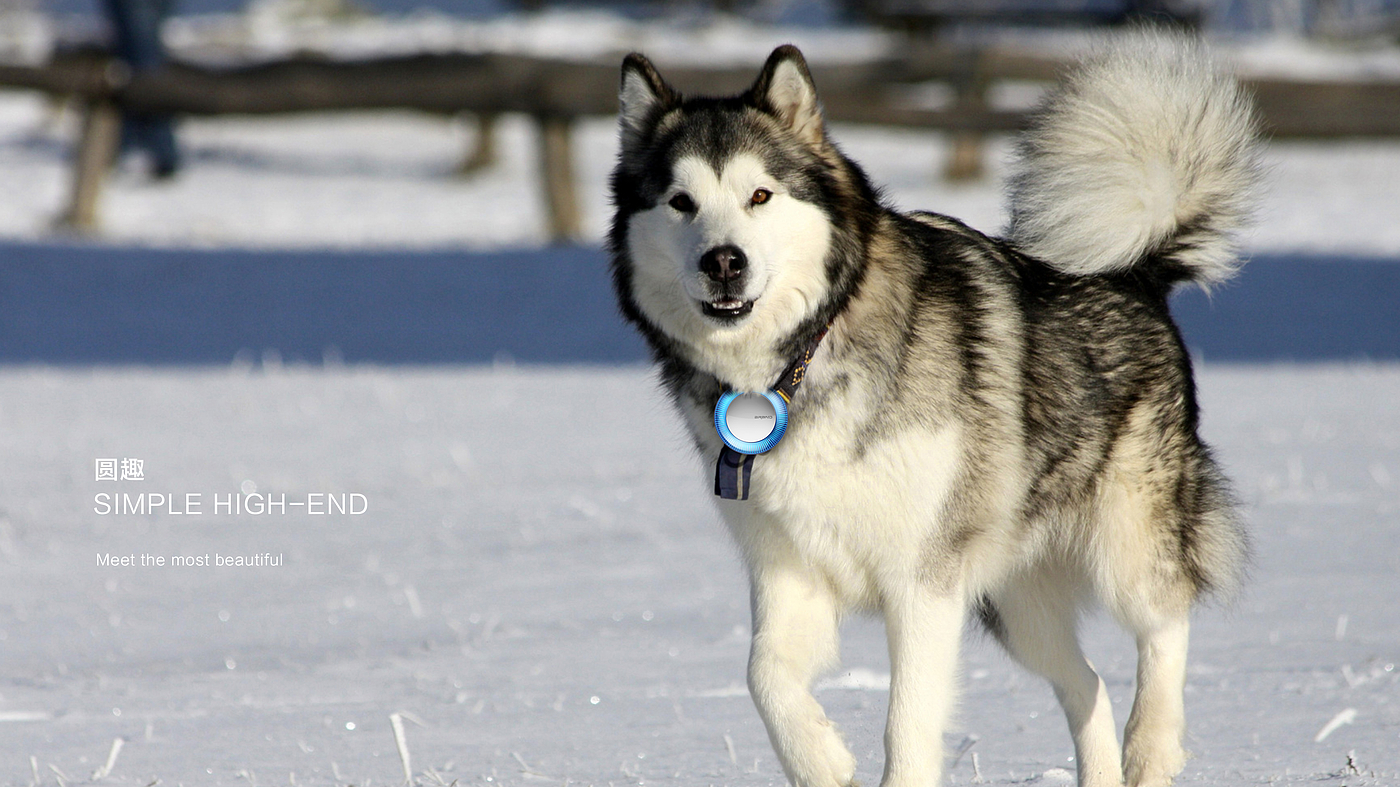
{"points": [[784, 88]]}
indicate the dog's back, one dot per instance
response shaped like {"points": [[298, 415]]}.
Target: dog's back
{"points": [[1136, 176]]}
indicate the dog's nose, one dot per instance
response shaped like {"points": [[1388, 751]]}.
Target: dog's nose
{"points": [[724, 263]]}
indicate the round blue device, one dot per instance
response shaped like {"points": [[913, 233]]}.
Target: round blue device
{"points": [[751, 423]]}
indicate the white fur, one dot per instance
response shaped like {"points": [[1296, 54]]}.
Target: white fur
{"points": [[1152, 750], [821, 537], [1039, 611], [785, 240], [795, 638], [1142, 144]]}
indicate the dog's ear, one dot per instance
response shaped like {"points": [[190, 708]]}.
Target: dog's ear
{"points": [[784, 89], [643, 96]]}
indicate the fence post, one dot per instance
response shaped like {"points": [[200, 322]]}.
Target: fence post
{"points": [[965, 157], [557, 178], [483, 150], [97, 149]]}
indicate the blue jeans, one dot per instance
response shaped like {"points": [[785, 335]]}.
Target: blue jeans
{"points": [[137, 27]]}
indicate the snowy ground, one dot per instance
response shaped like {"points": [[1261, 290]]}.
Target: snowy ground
{"points": [[540, 580], [387, 180]]}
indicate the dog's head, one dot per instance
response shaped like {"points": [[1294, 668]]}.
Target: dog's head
{"points": [[731, 228]]}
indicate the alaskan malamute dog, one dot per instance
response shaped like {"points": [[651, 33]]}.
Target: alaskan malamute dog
{"points": [[1005, 427]]}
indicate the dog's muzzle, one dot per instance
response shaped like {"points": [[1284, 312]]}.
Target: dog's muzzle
{"points": [[726, 267]]}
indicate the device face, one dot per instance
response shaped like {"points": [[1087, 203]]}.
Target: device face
{"points": [[751, 417], [751, 423]]}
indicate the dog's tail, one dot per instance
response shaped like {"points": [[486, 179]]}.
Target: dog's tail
{"points": [[1145, 156]]}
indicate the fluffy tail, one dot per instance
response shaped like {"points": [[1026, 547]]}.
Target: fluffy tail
{"points": [[1146, 155]]}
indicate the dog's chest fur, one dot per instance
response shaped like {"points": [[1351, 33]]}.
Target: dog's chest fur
{"points": [[832, 497]]}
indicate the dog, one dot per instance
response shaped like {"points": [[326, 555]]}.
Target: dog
{"points": [[1002, 430]]}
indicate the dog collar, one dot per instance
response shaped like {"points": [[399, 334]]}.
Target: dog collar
{"points": [[753, 423]]}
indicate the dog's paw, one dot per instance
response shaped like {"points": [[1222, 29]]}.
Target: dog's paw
{"points": [[824, 761], [1156, 766]]}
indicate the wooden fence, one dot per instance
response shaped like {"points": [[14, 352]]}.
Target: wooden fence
{"points": [[556, 92]]}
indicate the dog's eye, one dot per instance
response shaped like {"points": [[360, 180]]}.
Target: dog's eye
{"points": [[760, 196], [683, 203]]}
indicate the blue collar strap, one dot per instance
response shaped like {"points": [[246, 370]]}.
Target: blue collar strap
{"points": [[733, 469], [732, 474]]}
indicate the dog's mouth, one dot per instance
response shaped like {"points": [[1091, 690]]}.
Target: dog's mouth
{"points": [[726, 309]]}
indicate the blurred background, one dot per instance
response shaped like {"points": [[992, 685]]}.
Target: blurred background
{"points": [[425, 180]]}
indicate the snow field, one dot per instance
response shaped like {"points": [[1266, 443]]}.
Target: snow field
{"points": [[541, 582]]}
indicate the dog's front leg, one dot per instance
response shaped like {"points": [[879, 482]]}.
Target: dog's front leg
{"points": [[923, 628], [795, 636]]}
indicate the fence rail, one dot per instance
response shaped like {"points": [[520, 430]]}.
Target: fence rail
{"points": [[556, 92]]}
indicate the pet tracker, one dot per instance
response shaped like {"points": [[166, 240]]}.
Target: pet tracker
{"points": [[752, 423]]}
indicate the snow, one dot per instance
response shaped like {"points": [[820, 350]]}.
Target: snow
{"points": [[1299, 58], [581, 615], [267, 31]]}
